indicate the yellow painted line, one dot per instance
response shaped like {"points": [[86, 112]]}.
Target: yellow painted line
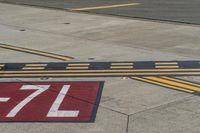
{"points": [[121, 67], [76, 67], [167, 67], [2, 65], [36, 65], [121, 64], [93, 74], [174, 83], [182, 81], [37, 52], [85, 64], [162, 84], [166, 63], [110, 70], [104, 7], [33, 68]]}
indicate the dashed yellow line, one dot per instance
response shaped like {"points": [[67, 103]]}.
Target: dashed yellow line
{"points": [[36, 52], [104, 7], [2, 65], [122, 64], [33, 68], [166, 63], [81, 64], [35, 65], [121, 67], [162, 67], [72, 67]]}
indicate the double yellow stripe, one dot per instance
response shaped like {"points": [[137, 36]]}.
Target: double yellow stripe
{"points": [[33, 68], [171, 82], [76, 67], [36, 65], [2, 65], [36, 52], [79, 64], [166, 63], [67, 74], [121, 67], [163, 65]]}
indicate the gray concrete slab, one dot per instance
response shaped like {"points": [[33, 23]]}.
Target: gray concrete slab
{"points": [[163, 37], [178, 11], [181, 116], [106, 121], [104, 39]]}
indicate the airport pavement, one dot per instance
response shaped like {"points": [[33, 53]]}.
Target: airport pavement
{"points": [[127, 105], [181, 11]]}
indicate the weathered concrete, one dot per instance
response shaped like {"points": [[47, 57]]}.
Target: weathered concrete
{"points": [[105, 39]]}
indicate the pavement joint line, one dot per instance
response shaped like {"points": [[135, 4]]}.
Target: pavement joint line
{"points": [[116, 111], [128, 116], [32, 83], [127, 124], [104, 7], [107, 108], [162, 105]]}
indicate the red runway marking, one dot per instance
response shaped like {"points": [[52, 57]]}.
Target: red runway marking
{"points": [[49, 101]]}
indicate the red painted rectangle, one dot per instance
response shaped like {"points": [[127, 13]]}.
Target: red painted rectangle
{"points": [[49, 101]]}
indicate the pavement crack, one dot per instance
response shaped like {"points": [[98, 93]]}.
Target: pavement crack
{"points": [[175, 101], [127, 124], [95, 104]]}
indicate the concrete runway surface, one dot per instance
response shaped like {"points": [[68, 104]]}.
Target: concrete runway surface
{"points": [[71, 72], [182, 11]]}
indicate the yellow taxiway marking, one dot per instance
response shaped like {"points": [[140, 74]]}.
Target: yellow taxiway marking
{"points": [[2, 65], [110, 70], [84, 64], [167, 67], [33, 68], [91, 74], [104, 7], [121, 67], [73, 67], [35, 65], [182, 81], [122, 64], [166, 63], [162, 84], [174, 83], [36, 52]]}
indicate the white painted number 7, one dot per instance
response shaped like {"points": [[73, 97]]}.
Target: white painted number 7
{"points": [[53, 112]]}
